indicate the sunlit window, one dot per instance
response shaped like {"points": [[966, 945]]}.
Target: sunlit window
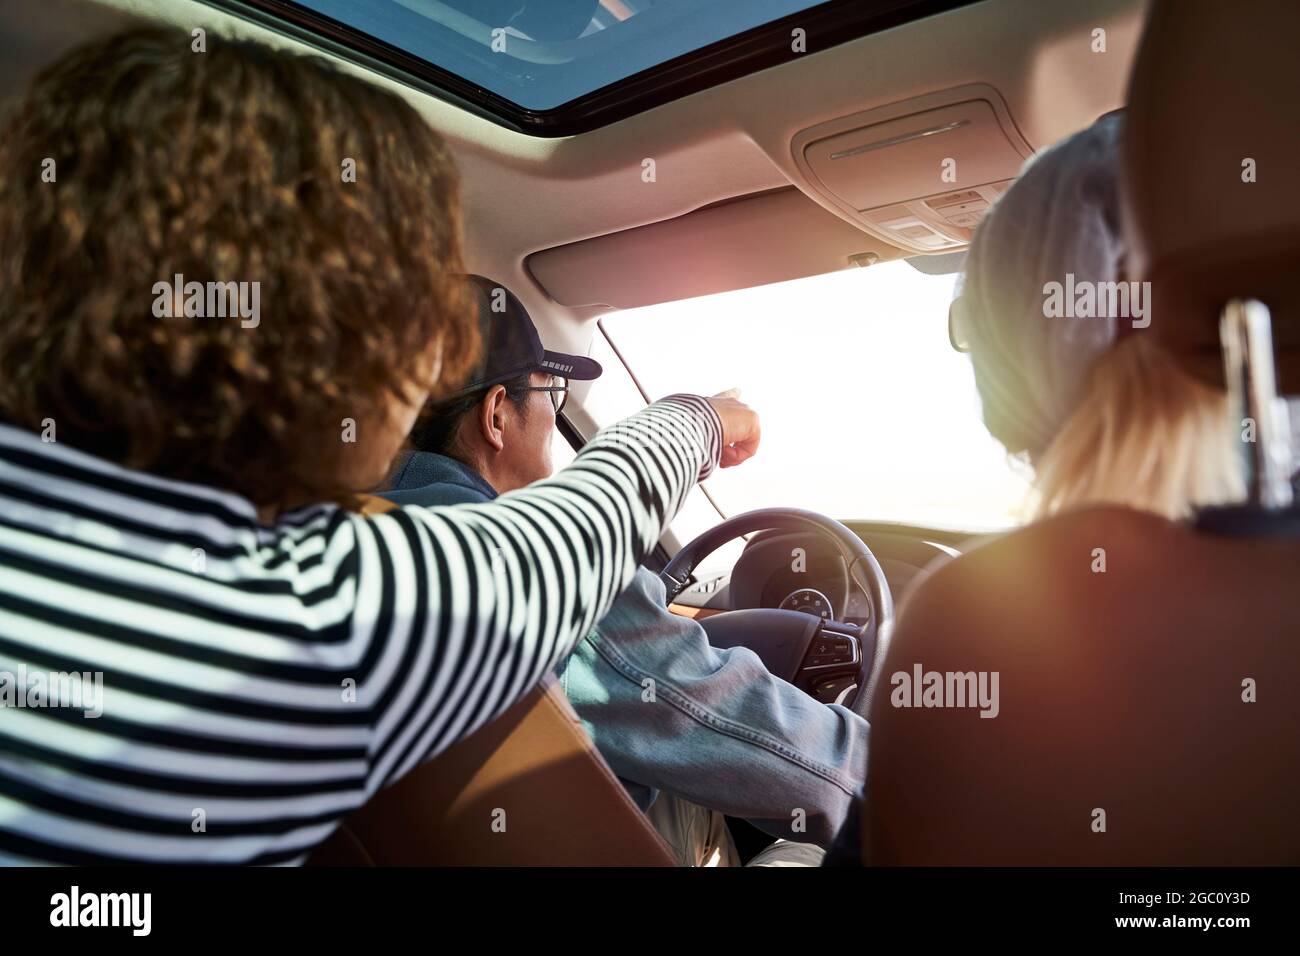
{"points": [[867, 411]]}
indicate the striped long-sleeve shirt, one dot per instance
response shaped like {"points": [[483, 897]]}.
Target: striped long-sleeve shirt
{"points": [[259, 681]]}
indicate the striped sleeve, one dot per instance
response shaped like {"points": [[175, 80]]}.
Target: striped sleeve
{"points": [[477, 602]]}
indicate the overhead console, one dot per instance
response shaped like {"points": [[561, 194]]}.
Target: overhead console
{"points": [[920, 173]]}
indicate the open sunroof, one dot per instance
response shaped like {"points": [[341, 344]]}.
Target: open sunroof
{"points": [[558, 67]]}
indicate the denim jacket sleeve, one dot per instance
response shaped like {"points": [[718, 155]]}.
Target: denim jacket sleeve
{"points": [[668, 711]]}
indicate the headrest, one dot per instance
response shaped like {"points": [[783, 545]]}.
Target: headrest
{"points": [[1212, 177]]}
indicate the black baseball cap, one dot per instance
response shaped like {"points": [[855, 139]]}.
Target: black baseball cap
{"points": [[511, 345]]}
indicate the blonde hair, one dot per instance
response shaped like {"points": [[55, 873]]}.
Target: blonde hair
{"points": [[1145, 435]]}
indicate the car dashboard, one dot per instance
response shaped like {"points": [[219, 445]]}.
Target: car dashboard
{"points": [[804, 571]]}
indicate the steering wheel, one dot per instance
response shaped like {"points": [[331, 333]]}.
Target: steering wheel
{"points": [[799, 647]]}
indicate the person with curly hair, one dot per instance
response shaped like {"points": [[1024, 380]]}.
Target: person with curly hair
{"points": [[229, 280]]}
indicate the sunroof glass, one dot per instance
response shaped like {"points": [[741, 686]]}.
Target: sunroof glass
{"points": [[542, 54]]}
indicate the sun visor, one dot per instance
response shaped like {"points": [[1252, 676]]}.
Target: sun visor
{"points": [[737, 244]]}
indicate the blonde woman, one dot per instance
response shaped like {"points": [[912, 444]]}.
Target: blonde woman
{"points": [[1087, 683], [1102, 414]]}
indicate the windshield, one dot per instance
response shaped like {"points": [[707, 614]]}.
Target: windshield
{"points": [[867, 410]]}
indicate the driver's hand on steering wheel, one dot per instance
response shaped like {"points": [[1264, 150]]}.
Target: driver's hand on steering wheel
{"points": [[740, 428]]}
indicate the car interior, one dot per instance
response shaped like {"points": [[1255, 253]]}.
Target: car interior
{"points": [[625, 158]]}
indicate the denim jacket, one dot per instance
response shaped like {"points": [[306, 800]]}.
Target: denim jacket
{"points": [[668, 711]]}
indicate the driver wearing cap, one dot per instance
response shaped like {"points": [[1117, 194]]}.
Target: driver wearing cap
{"points": [[694, 732]]}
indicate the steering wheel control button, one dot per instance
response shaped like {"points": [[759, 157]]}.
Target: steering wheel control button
{"points": [[836, 650], [832, 649]]}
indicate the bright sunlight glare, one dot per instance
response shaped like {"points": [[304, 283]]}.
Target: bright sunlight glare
{"points": [[867, 410]]}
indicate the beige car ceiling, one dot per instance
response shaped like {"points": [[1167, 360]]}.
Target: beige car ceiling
{"points": [[1008, 77]]}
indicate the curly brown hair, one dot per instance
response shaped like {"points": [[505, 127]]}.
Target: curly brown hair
{"points": [[223, 166]]}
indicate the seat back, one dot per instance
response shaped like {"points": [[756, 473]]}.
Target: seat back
{"points": [[1145, 707], [528, 789], [1212, 187]]}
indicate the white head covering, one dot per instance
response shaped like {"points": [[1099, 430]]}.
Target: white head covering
{"points": [[1062, 216]]}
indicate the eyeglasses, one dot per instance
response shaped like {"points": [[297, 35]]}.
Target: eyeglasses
{"points": [[559, 393]]}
